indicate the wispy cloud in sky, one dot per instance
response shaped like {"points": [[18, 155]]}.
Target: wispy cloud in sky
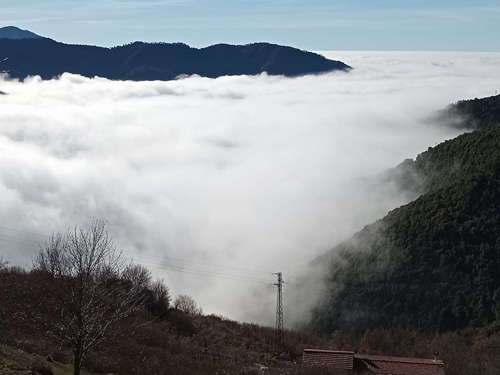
{"points": [[352, 25]]}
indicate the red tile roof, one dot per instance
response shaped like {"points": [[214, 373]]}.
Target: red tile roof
{"points": [[397, 365], [336, 359], [379, 365]]}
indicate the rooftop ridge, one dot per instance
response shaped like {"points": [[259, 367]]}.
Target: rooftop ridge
{"points": [[426, 361], [329, 351]]}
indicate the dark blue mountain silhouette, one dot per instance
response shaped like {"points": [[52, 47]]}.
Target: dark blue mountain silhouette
{"points": [[12, 32], [157, 61]]}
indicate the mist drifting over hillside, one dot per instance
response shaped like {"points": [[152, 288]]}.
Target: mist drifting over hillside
{"points": [[205, 179]]}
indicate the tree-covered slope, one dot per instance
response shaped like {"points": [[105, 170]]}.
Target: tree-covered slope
{"points": [[156, 61], [472, 114], [434, 263]]}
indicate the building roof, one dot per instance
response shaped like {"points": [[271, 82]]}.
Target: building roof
{"points": [[341, 360], [397, 365], [380, 365]]}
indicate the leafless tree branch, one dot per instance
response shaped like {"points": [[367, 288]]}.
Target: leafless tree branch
{"points": [[91, 285]]}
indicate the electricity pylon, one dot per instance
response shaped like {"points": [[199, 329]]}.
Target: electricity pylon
{"points": [[280, 339]]}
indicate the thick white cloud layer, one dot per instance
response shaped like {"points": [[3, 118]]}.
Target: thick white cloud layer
{"points": [[256, 173]]}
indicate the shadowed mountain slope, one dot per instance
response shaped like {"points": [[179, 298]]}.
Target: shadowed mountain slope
{"points": [[12, 32], [432, 264], [157, 61], [473, 114]]}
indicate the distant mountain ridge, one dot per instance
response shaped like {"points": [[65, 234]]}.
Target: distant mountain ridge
{"points": [[157, 61], [12, 32]]}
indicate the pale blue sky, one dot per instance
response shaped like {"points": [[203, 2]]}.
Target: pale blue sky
{"points": [[439, 25]]}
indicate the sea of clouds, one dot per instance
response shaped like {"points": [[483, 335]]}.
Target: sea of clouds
{"points": [[217, 183]]}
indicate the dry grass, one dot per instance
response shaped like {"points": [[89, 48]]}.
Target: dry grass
{"points": [[180, 343], [16, 362]]}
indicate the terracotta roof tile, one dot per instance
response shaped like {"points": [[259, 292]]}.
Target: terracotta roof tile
{"points": [[380, 365], [341, 360], [397, 365]]}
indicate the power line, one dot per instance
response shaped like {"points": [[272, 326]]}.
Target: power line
{"points": [[173, 268], [209, 274], [152, 256], [18, 243], [198, 270], [156, 256], [211, 265], [218, 266], [20, 239], [201, 263], [224, 275], [22, 231], [293, 277], [131, 252], [162, 256], [191, 271], [317, 291]]}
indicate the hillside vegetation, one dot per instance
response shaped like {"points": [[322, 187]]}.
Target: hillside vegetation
{"points": [[431, 265], [158, 338], [18, 362], [473, 114]]}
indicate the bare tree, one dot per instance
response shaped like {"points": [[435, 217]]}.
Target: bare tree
{"points": [[3, 288], [161, 298], [187, 304], [87, 284], [3, 263], [138, 275]]}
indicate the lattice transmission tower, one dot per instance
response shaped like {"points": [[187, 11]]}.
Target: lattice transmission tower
{"points": [[280, 339]]}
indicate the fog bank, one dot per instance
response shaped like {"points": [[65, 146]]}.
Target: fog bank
{"points": [[217, 183]]}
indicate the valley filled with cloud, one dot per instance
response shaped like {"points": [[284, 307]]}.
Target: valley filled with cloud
{"points": [[216, 183]]}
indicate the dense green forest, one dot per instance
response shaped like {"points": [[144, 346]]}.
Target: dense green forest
{"points": [[473, 113], [431, 265]]}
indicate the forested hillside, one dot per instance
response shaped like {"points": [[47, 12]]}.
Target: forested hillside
{"points": [[473, 114], [432, 264]]}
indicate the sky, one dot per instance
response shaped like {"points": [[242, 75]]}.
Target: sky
{"points": [[385, 25], [214, 184]]}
